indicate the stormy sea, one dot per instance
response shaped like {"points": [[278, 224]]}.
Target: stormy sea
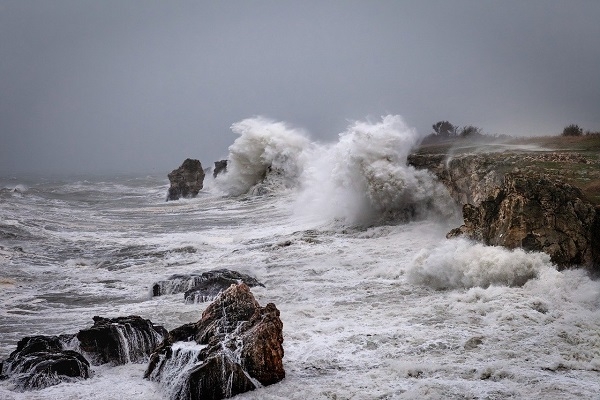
{"points": [[350, 244]]}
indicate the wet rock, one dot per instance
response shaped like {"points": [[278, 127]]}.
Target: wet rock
{"points": [[537, 213], [235, 347], [220, 168], [505, 206], [186, 181], [200, 287], [120, 340], [42, 361]]}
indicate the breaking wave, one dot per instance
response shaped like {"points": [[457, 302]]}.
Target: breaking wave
{"points": [[360, 180], [364, 179], [460, 263], [267, 156]]}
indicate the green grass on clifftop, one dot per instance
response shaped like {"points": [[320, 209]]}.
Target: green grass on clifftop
{"points": [[573, 160]]}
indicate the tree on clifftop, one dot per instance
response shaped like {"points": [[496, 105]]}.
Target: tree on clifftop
{"points": [[444, 129], [572, 130]]}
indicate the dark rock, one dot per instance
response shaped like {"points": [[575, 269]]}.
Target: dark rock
{"points": [[220, 168], [200, 287], [42, 361], [235, 347], [536, 214], [186, 181], [120, 340]]}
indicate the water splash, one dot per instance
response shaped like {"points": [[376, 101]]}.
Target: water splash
{"points": [[267, 155]]}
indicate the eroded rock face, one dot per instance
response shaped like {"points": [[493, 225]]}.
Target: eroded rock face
{"points": [[120, 340], [537, 214], [42, 361], [186, 181], [507, 207], [235, 347]]}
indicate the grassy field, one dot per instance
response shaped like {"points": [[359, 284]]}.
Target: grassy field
{"points": [[574, 160]]}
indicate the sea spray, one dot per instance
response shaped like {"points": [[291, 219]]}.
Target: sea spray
{"points": [[363, 179], [268, 153], [460, 263]]}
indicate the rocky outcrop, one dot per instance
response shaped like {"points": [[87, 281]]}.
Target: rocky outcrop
{"points": [[506, 206], [201, 287], [120, 340], [42, 361], [235, 347], [186, 181], [220, 168], [536, 214]]}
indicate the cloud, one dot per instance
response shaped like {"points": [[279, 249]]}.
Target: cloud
{"points": [[123, 86]]}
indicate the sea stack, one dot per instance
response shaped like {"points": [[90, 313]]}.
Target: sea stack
{"points": [[186, 181]]}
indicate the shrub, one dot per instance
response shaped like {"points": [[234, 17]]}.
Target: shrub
{"points": [[444, 129], [470, 131], [572, 130]]}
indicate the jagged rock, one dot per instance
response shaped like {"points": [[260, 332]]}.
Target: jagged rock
{"points": [[508, 207], [235, 347], [120, 340], [42, 361], [537, 214], [200, 287], [186, 181], [220, 168]]}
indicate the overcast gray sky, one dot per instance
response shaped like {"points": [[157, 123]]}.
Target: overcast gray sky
{"points": [[110, 86]]}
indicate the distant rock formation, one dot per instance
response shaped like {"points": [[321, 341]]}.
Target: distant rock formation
{"points": [[220, 168], [120, 340], [506, 206], [235, 347], [186, 181], [200, 287], [42, 361]]}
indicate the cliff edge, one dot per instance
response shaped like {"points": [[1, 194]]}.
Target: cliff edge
{"points": [[538, 194]]}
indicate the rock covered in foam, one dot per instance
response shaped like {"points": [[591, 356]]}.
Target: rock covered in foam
{"points": [[235, 347], [120, 340], [186, 181], [42, 361], [220, 168], [200, 287]]}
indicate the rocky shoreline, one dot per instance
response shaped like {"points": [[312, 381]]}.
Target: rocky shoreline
{"points": [[519, 198]]}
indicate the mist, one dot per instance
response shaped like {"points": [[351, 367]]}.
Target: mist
{"points": [[116, 87]]}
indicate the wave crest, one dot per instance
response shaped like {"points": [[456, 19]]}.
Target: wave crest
{"points": [[363, 179], [269, 154], [459, 263]]}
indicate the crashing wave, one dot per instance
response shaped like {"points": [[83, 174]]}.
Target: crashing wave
{"points": [[364, 179], [267, 156], [460, 263]]}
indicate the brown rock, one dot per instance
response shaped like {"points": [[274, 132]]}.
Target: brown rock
{"points": [[236, 346]]}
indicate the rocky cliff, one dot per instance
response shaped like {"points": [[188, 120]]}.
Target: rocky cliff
{"points": [[525, 198]]}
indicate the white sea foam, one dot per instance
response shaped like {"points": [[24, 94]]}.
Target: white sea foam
{"points": [[460, 263], [266, 150], [363, 178]]}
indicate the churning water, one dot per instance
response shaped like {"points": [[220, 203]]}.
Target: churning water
{"points": [[350, 245]]}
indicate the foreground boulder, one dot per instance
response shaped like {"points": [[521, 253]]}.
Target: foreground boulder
{"points": [[235, 347], [201, 287], [186, 181], [42, 361], [120, 340]]}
